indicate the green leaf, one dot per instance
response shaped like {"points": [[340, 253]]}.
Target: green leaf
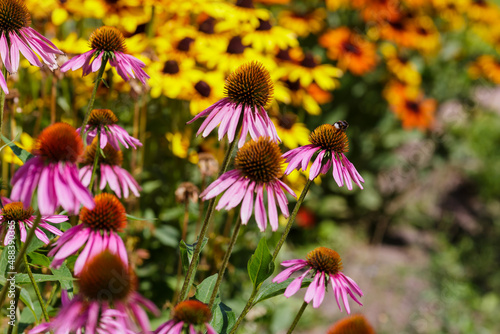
{"points": [[26, 299], [260, 266], [64, 276], [39, 259], [223, 318], [24, 278], [3, 261], [21, 154], [167, 235], [205, 288], [276, 289], [34, 245], [187, 251], [28, 318], [139, 218]]}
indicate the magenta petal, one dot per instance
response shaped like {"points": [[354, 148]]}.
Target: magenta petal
{"points": [[320, 292], [295, 285], [289, 263], [316, 166], [311, 290], [285, 274], [82, 258]]}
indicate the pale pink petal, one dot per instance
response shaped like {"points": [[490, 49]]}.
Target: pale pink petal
{"points": [[320, 292], [247, 204], [311, 290], [271, 207], [295, 285]]}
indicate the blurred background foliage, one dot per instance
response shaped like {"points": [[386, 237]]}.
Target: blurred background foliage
{"points": [[418, 88]]}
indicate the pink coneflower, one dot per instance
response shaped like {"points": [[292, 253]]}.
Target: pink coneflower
{"points": [[257, 170], [189, 316], [98, 232], [108, 44], [325, 265], [107, 301], [104, 121], [248, 89], [331, 142], [111, 172], [54, 172], [17, 36], [15, 211]]}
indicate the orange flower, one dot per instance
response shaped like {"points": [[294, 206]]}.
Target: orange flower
{"points": [[486, 66], [376, 10], [350, 50]]}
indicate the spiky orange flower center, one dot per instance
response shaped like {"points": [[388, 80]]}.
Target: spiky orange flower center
{"points": [[325, 260], [111, 156], [330, 138], [102, 117], [107, 39], [250, 85], [59, 142], [260, 160], [355, 324], [15, 211], [192, 312], [108, 214], [14, 15], [106, 277]]}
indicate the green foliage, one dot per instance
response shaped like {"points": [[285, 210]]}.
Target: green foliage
{"points": [[260, 266]]}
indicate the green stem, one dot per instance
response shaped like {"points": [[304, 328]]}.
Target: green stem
{"points": [[94, 92], [37, 290], [96, 159], [291, 220], [225, 261], [19, 259], [288, 227], [2, 102], [208, 217], [297, 317]]}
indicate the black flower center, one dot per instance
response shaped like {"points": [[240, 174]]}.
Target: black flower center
{"points": [[171, 67], [207, 26], [185, 44], [203, 88], [287, 120], [235, 46], [264, 25], [308, 61]]}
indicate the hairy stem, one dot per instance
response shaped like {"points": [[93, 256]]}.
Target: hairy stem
{"points": [[37, 290]]}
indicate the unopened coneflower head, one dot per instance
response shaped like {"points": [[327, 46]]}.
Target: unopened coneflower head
{"points": [[24, 218], [208, 164], [248, 90], [111, 173], [354, 324], [108, 44], [104, 121], [97, 232], [107, 301], [330, 142], [192, 315], [325, 265], [17, 36], [187, 191], [54, 172], [258, 167]]}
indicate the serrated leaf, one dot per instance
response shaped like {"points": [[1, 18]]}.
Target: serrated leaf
{"points": [[260, 266], [223, 318], [64, 276], [24, 278], [205, 288], [40, 259], [22, 154], [276, 289]]}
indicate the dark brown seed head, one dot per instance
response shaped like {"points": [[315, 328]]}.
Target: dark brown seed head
{"points": [[192, 312], [260, 160], [100, 117], [111, 156], [15, 211], [106, 278], [203, 88], [107, 39], [325, 260], [250, 85], [108, 214], [14, 15], [330, 138], [171, 67]]}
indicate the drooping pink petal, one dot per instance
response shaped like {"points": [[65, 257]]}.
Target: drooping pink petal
{"points": [[320, 292], [260, 209], [295, 285], [316, 166], [247, 204], [313, 287], [271, 207], [285, 274]]}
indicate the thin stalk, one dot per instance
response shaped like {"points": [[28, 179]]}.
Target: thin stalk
{"points": [[2, 103], [19, 259], [37, 290], [92, 97], [288, 227], [201, 206], [186, 218], [96, 159], [225, 261], [297, 317], [206, 222], [53, 96], [291, 220]]}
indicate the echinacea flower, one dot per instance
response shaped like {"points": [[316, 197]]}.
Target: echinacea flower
{"points": [[107, 301], [355, 323], [104, 121], [24, 218], [108, 44], [98, 232], [257, 170], [330, 141], [326, 267], [53, 170], [248, 89], [17, 36], [111, 172], [189, 314]]}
